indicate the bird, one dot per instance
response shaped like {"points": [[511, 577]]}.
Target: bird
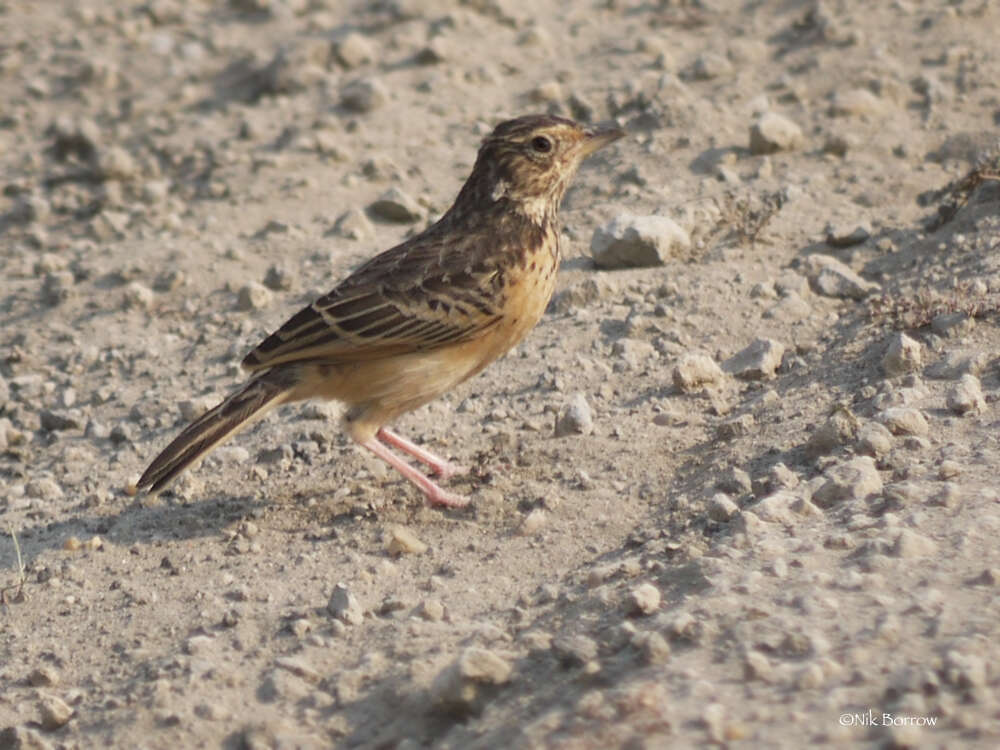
{"points": [[416, 320]]}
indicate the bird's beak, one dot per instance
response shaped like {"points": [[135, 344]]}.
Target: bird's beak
{"points": [[599, 137]]}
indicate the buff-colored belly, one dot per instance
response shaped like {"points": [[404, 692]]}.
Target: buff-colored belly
{"points": [[379, 390]]}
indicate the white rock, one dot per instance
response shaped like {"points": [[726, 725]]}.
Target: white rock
{"points": [[837, 280], [911, 544], [644, 599], [354, 50], [848, 235], [254, 296], [654, 647], [363, 95], [45, 488], [710, 65], [694, 371], [458, 686], [786, 507], [903, 355], [874, 440], [630, 241], [855, 102], [396, 205], [773, 132], [532, 523], [840, 428], [966, 396], [55, 712], [115, 163], [757, 361], [852, 480], [402, 541], [904, 420], [791, 307], [633, 352], [756, 666], [354, 225], [721, 507], [344, 606], [575, 418]]}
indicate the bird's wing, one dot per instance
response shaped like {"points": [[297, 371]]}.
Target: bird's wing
{"points": [[415, 297]]}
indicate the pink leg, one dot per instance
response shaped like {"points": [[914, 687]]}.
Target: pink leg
{"points": [[439, 467], [435, 495]]}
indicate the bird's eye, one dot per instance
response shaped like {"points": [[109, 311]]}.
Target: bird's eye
{"points": [[541, 144]]}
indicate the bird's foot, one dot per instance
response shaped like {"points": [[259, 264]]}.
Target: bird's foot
{"points": [[438, 496], [446, 470]]}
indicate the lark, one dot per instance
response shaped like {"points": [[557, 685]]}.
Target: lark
{"points": [[420, 318]]}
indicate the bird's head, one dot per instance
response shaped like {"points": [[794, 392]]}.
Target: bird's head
{"points": [[528, 162]]}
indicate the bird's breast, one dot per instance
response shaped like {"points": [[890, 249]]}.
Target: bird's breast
{"points": [[524, 291]]}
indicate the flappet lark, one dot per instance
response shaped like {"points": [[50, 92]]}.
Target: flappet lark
{"points": [[421, 317]]}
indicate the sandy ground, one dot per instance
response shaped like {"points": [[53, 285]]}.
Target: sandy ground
{"points": [[786, 546]]}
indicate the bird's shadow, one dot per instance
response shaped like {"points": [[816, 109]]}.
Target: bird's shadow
{"points": [[136, 523], [125, 523]]}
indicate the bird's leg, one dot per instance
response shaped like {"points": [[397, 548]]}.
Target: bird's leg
{"points": [[438, 466], [435, 495]]}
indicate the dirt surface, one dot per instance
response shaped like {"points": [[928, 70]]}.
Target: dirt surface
{"points": [[745, 496]]}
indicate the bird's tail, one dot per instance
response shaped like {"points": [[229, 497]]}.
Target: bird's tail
{"points": [[242, 408]]}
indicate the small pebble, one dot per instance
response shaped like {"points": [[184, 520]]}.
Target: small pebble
{"points": [[903, 420], [55, 712], [431, 610], [44, 676], [397, 206], [344, 606], [644, 599], [654, 647], [874, 440], [575, 650], [903, 355], [363, 96], [575, 417], [278, 278], [949, 469], [459, 687], [298, 667], [694, 371], [354, 225], [721, 508], [354, 50], [911, 544], [773, 132], [966, 396], [756, 666], [847, 236], [254, 296], [831, 278], [757, 361], [138, 296], [852, 480], [402, 541], [532, 523]]}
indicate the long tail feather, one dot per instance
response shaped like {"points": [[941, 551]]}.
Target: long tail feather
{"points": [[238, 411]]}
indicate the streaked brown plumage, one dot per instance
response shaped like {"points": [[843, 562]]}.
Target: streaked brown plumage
{"points": [[420, 318]]}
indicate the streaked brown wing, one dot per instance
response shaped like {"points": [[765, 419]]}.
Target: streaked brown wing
{"points": [[411, 298]]}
